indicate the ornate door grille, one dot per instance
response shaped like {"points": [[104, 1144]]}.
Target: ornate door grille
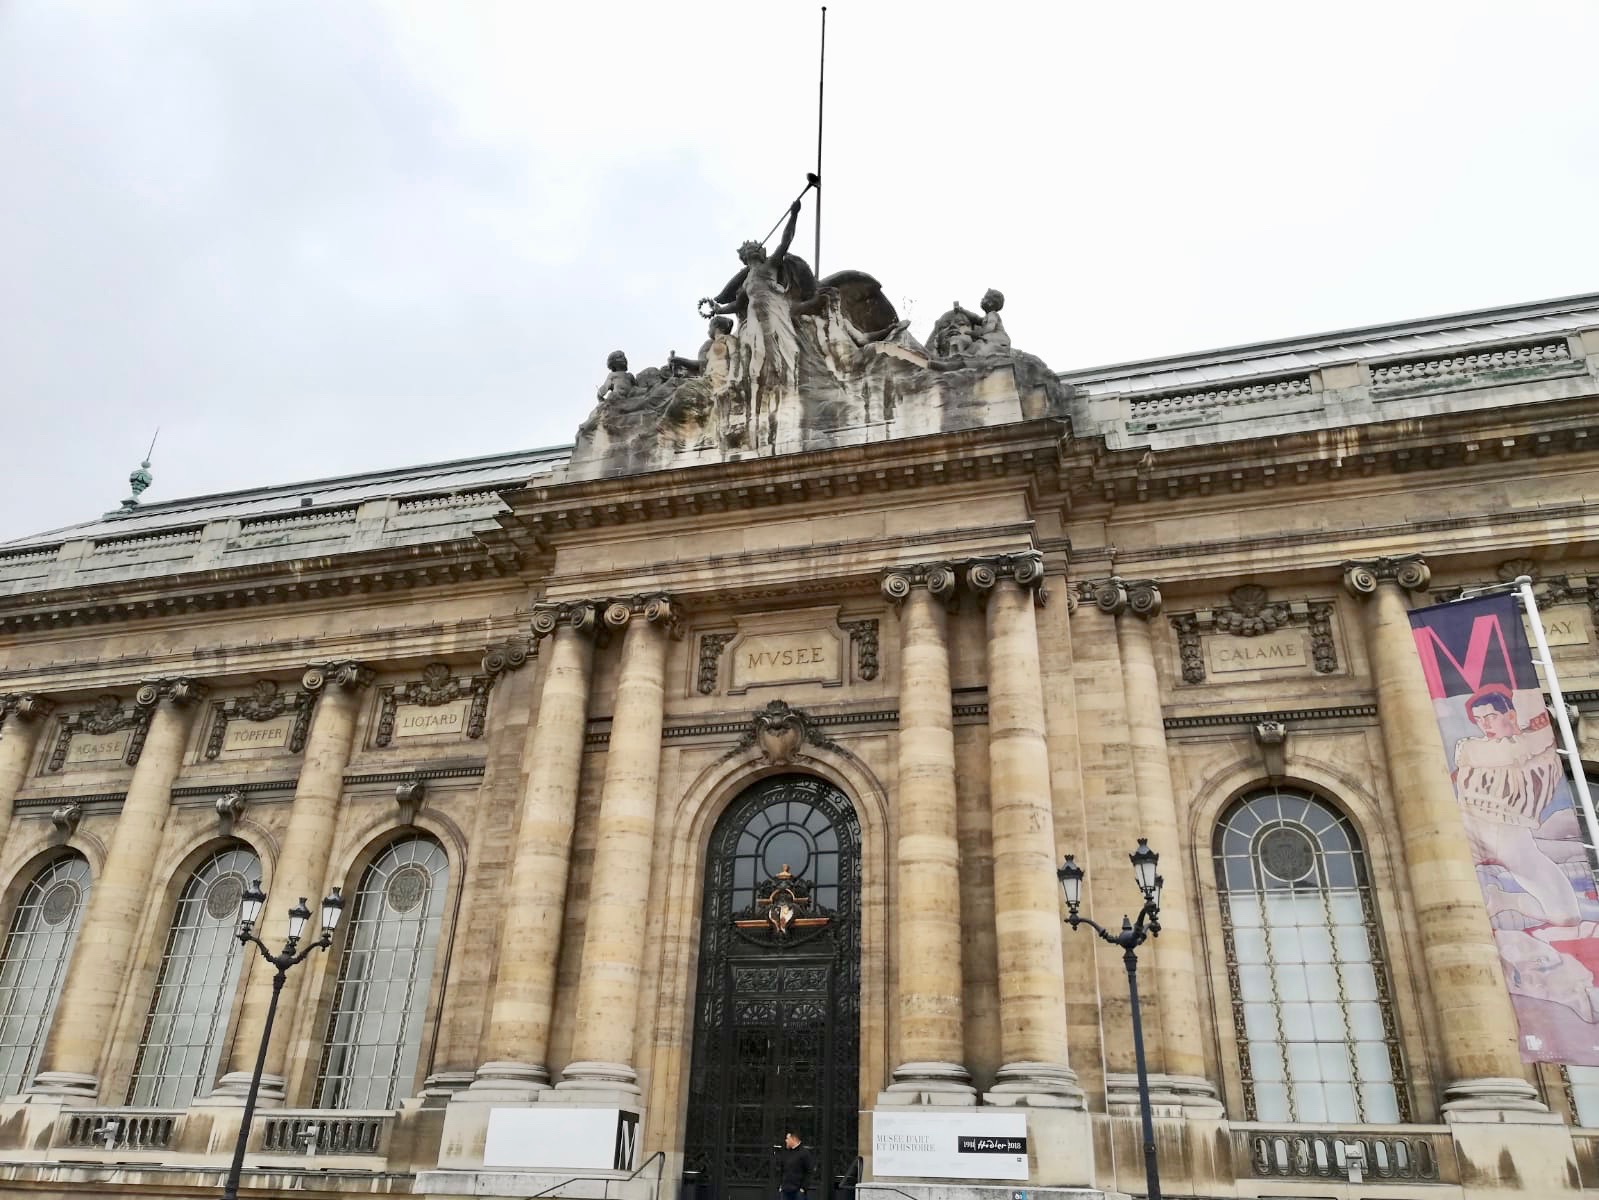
{"points": [[777, 1011]]}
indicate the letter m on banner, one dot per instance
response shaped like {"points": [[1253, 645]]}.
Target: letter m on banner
{"points": [[1520, 821]]}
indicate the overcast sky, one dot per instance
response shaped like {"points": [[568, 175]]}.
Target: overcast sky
{"points": [[314, 238]]}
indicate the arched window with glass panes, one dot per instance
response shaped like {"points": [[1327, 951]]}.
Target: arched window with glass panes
{"points": [[374, 1034], [1311, 997], [181, 1043], [33, 964]]}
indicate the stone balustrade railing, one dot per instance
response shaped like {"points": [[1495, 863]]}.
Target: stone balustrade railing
{"points": [[114, 1129], [311, 1132], [1409, 1154]]}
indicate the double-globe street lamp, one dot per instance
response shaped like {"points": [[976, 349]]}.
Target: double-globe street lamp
{"points": [[250, 905], [1129, 937]]}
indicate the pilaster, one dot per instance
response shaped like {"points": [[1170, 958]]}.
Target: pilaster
{"points": [[21, 722]]}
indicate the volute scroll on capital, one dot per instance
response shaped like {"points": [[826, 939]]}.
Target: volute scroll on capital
{"points": [[343, 675], [601, 617], [1409, 571], [1115, 596], [181, 691], [979, 576], [25, 706], [509, 655]]}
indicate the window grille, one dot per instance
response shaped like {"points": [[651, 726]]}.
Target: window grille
{"points": [[181, 1045], [34, 963], [374, 1033], [1311, 996]]}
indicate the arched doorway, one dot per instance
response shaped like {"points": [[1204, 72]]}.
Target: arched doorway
{"points": [[777, 1010]]}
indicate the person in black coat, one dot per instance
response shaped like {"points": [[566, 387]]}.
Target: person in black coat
{"points": [[797, 1166]]}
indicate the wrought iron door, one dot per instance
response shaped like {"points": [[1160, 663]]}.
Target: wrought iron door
{"points": [[777, 1011]]}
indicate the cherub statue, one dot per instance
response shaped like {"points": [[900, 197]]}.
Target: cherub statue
{"points": [[619, 383], [988, 329], [721, 327]]}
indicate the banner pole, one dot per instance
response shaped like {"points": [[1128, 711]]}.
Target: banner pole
{"points": [[1579, 777]]}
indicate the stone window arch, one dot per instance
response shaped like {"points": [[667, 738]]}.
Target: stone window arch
{"points": [[374, 1033], [181, 1046], [1311, 994], [33, 963]]}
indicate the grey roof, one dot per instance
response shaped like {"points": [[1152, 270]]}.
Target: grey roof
{"points": [[1366, 343], [460, 477]]}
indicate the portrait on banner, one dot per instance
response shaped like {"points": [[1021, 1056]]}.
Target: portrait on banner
{"points": [[1521, 820]]}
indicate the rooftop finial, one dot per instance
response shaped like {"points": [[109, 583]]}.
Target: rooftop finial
{"points": [[140, 479]]}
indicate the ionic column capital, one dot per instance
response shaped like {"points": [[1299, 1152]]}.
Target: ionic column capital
{"points": [[1140, 597], [347, 676], [939, 578], [181, 691], [598, 617], [25, 706], [1408, 571], [980, 576]]}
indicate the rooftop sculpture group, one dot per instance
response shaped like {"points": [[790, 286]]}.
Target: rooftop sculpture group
{"points": [[811, 362]]}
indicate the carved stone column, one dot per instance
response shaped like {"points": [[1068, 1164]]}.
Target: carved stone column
{"points": [[21, 719], [619, 890], [517, 1042], [1027, 913], [101, 959], [302, 870], [1475, 1024], [927, 855], [1178, 1049]]}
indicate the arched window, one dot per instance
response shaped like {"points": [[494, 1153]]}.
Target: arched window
{"points": [[34, 962], [375, 1030], [183, 1032], [1310, 988]]}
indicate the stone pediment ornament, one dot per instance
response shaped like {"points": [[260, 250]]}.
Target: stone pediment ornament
{"points": [[66, 817], [1250, 613], [779, 732], [785, 911], [229, 808]]}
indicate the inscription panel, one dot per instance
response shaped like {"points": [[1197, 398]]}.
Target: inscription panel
{"points": [[98, 747], [258, 735], [803, 646], [1282, 651], [1565, 625], [437, 720]]}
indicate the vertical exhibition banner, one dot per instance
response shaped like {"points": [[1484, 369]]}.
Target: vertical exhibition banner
{"points": [[1520, 819]]}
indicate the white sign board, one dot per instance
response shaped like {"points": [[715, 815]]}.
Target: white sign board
{"points": [[968, 1144], [562, 1139]]}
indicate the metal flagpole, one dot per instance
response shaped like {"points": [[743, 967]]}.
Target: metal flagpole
{"points": [[816, 179], [1568, 739]]}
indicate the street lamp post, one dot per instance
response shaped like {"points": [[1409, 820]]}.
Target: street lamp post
{"points": [[1129, 937], [250, 905]]}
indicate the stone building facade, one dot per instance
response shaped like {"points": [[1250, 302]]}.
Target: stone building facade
{"points": [[726, 794]]}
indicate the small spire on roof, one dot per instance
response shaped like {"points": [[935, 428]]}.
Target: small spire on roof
{"points": [[141, 478]]}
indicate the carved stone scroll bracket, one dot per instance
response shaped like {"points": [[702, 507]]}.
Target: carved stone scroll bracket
{"points": [[1251, 613], [65, 818], [863, 640], [439, 685], [266, 701], [409, 795], [108, 716], [1272, 738], [229, 808], [1409, 571]]}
